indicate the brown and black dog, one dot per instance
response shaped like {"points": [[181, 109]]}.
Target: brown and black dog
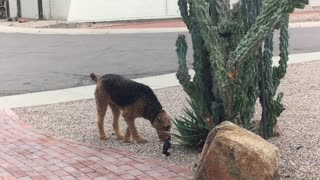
{"points": [[134, 100]]}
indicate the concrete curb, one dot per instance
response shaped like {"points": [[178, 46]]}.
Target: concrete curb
{"points": [[86, 92], [8, 29]]}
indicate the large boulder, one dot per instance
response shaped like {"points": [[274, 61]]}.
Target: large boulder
{"points": [[232, 152]]}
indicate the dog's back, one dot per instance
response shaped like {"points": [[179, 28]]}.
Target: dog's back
{"points": [[124, 92]]}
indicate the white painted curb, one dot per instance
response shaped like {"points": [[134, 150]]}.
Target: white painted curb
{"points": [[86, 92]]}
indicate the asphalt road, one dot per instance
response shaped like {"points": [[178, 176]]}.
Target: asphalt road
{"points": [[33, 63]]}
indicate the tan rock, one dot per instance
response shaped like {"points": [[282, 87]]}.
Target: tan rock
{"points": [[232, 152]]}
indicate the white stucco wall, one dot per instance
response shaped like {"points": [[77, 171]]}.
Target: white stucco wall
{"points": [[52, 9], [13, 8], [46, 9], [172, 8], [103, 10], [314, 2], [59, 9], [111, 10], [29, 9]]}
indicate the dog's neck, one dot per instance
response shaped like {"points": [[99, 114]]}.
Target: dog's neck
{"points": [[156, 115], [152, 108], [152, 113]]}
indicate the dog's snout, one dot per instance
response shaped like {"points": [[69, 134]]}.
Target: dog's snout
{"points": [[169, 138], [164, 137]]}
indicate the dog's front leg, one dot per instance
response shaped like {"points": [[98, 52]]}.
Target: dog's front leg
{"points": [[116, 114], [127, 136], [133, 130]]}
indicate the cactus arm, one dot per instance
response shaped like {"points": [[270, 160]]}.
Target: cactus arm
{"points": [[209, 33], [202, 79], [183, 72], [220, 12], [280, 71], [266, 87], [273, 76], [265, 23], [183, 7]]}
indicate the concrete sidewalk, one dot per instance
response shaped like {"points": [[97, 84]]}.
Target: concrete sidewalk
{"points": [[86, 92], [130, 28]]}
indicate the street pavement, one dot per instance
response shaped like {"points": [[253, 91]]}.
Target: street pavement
{"points": [[33, 63]]}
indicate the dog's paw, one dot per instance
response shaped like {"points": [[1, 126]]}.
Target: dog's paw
{"points": [[127, 141], [142, 141], [103, 137], [120, 137]]}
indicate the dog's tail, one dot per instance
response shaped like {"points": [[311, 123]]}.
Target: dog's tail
{"points": [[94, 77]]}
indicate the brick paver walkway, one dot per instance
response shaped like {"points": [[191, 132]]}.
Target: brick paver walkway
{"points": [[142, 25], [26, 153]]}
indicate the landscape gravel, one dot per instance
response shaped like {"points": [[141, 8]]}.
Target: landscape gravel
{"points": [[299, 143]]}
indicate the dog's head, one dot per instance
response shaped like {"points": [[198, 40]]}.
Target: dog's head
{"points": [[163, 123]]}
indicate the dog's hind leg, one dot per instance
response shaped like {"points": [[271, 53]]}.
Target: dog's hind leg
{"points": [[101, 112], [116, 114], [101, 115]]}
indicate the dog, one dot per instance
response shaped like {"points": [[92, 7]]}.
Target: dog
{"points": [[133, 100]]}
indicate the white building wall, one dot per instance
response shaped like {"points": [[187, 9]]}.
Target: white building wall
{"points": [[314, 2], [60, 9], [172, 8], [103, 10], [29, 9], [111, 10], [46, 9], [13, 8], [52, 9]]}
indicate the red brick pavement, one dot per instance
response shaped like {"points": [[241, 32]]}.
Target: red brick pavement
{"points": [[141, 25], [26, 153]]}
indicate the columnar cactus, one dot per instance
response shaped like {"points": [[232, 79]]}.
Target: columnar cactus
{"points": [[231, 71]]}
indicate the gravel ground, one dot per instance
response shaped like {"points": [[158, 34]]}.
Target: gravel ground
{"points": [[299, 144], [308, 16]]}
